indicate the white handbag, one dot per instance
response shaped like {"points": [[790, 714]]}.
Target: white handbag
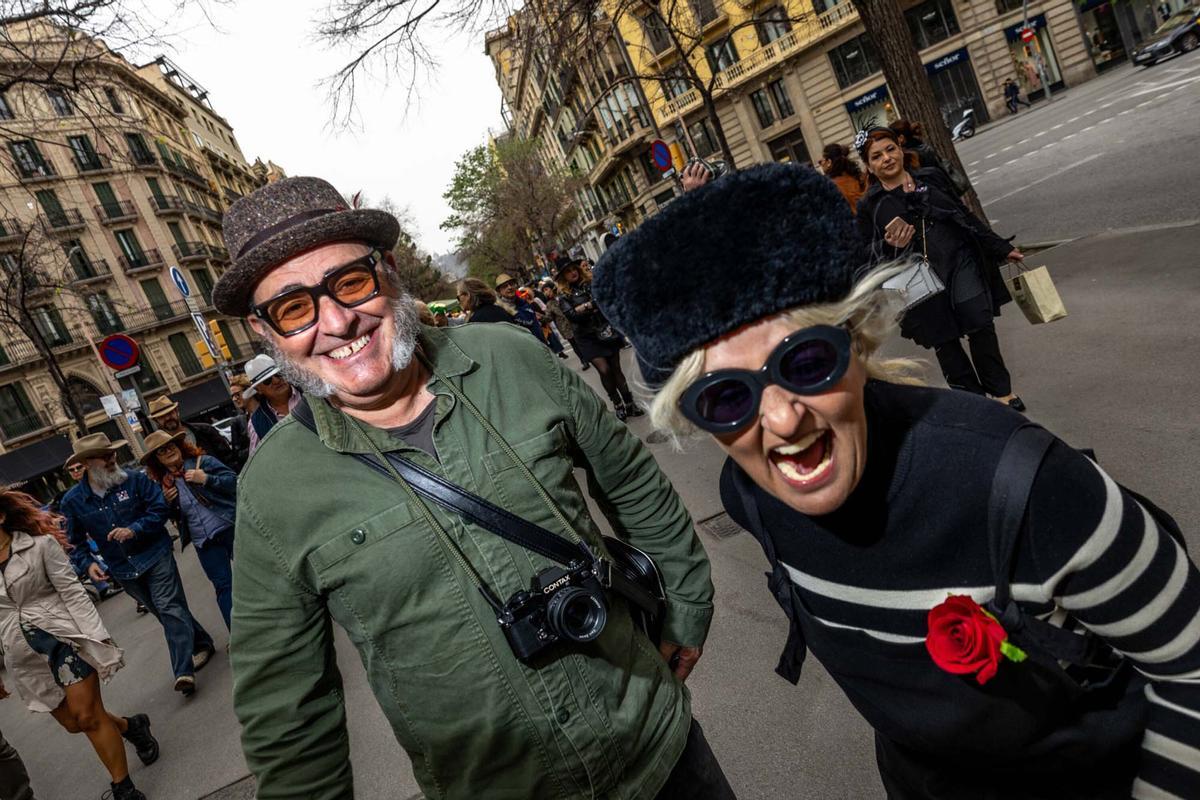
{"points": [[917, 282]]}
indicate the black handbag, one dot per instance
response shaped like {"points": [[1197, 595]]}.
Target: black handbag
{"points": [[626, 570]]}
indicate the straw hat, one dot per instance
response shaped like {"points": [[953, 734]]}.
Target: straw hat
{"points": [[157, 440], [91, 446], [503, 278], [259, 369], [162, 404]]}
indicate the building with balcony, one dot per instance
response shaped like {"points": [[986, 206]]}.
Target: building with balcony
{"points": [[788, 77], [119, 179]]}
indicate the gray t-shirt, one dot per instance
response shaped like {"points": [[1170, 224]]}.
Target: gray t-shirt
{"points": [[419, 432]]}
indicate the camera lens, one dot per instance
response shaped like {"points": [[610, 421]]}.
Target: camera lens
{"points": [[576, 614]]}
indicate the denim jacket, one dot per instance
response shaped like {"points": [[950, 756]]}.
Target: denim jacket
{"points": [[137, 504], [219, 494]]}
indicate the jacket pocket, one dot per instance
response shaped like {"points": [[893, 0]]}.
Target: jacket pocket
{"points": [[361, 538]]}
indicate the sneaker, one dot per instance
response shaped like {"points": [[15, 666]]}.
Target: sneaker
{"points": [[202, 658], [141, 609], [563, 356], [634, 410], [1017, 405], [125, 790], [621, 413], [140, 737], [185, 684]]}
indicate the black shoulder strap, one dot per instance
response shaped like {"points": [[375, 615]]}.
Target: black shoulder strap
{"points": [[1009, 500], [483, 513]]}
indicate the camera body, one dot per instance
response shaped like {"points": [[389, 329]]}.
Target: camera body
{"points": [[716, 168], [561, 604]]}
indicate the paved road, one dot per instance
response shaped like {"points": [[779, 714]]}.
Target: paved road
{"points": [[1114, 153]]}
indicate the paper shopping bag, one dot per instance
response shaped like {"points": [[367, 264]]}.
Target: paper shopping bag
{"points": [[1035, 293]]}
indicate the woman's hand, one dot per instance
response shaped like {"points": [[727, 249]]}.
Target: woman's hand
{"points": [[580, 309], [898, 233], [694, 176], [96, 573], [1016, 256], [171, 493], [680, 659], [197, 476]]}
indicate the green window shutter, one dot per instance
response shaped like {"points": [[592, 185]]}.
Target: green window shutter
{"points": [[184, 353]]}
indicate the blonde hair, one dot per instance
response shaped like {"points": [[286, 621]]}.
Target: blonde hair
{"points": [[872, 314], [240, 380]]}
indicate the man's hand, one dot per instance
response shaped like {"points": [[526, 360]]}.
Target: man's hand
{"points": [[120, 535], [694, 176], [681, 659], [197, 476], [95, 573], [1016, 256], [898, 233], [171, 492]]}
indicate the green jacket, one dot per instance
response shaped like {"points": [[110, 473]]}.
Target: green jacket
{"points": [[322, 538]]}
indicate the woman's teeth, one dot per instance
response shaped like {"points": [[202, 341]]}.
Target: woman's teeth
{"points": [[807, 460], [350, 349]]}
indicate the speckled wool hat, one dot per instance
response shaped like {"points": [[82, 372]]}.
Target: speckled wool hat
{"points": [[747, 245], [283, 219]]}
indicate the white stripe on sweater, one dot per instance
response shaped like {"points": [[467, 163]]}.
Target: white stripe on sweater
{"points": [[1145, 791], [890, 638], [1150, 613], [1128, 574], [1154, 697], [1182, 754]]}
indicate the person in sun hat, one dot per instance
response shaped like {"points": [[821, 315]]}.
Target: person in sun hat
{"points": [[274, 397], [324, 539], [1053, 657], [164, 413], [124, 513]]}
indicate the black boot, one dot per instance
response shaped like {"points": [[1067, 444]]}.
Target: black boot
{"points": [[620, 408], [632, 409], [140, 737], [125, 790]]}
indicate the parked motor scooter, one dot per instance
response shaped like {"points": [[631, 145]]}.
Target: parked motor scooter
{"points": [[965, 128]]}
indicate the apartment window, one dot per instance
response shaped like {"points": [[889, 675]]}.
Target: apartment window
{"points": [[773, 24], [204, 282], [156, 298], [59, 102], [4, 359], [235, 352], [789, 149], [53, 209], [17, 415], [138, 149], [675, 82], [705, 10], [114, 100], [5, 109], [85, 155], [931, 22], [80, 263], [184, 354], [783, 103], [147, 379], [196, 138], [177, 233], [28, 158], [108, 199], [105, 316], [854, 61], [721, 55], [649, 168], [49, 324], [10, 263], [656, 32], [762, 107], [702, 137], [131, 248], [1006, 6]]}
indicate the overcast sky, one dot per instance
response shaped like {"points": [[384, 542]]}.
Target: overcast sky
{"points": [[261, 67]]}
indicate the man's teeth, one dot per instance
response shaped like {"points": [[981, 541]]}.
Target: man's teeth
{"points": [[350, 349], [800, 446]]}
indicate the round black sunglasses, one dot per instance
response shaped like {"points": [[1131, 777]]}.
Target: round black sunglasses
{"points": [[807, 362]]}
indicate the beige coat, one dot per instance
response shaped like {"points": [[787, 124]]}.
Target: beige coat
{"points": [[40, 587]]}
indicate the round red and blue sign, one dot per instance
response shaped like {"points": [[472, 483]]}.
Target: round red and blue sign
{"points": [[119, 351], [661, 154]]}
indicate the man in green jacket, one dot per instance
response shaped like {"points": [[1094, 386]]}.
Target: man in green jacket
{"points": [[323, 538]]}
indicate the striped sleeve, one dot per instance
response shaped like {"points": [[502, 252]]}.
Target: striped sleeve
{"points": [[1105, 560]]}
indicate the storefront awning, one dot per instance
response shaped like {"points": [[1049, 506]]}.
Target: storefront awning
{"points": [[201, 398], [33, 460], [876, 95], [1013, 32]]}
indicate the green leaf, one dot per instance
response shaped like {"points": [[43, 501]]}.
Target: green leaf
{"points": [[1012, 652]]}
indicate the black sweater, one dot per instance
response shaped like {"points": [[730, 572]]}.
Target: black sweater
{"points": [[915, 530]]}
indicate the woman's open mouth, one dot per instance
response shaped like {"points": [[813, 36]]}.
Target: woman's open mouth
{"points": [[808, 463]]}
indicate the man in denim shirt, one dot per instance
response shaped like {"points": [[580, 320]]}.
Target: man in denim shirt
{"points": [[124, 512]]}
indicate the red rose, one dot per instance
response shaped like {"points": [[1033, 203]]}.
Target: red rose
{"points": [[964, 639]]}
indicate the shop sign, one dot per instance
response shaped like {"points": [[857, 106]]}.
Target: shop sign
{"points": [[1013, 32], [876, 95], [947, 61]]}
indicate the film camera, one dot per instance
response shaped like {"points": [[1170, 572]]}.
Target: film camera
{"points": [[562, 603]]}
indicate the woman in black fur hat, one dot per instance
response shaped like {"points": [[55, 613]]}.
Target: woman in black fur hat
{"points": [[918, 212], [595, 340], [1010, 621]]}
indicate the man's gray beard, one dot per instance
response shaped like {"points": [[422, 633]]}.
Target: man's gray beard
{"points": [[404, 344], [102, 478]]}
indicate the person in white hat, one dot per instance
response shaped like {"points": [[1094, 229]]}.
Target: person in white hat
{"points": [[276, 397]]}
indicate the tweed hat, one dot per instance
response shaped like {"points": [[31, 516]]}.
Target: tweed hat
{"points": [[284, 219], [750, 244], [91, 446], [163, 404]]}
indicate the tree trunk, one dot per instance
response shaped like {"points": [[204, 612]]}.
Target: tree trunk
{"points": [[710, 108], [906, 79]]}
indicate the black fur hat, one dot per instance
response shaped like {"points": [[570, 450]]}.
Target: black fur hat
{"points": [[751, 244]]}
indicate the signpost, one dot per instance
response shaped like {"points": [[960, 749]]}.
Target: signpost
{"points": [[119, 352], [181, 283]]}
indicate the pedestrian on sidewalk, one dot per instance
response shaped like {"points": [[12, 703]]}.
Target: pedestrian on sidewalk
{"points": [[523, 313], [559, 320], [1012, 96], [1010, 629], [239, 429], [480, 302], [322, 538], [595, 339], [918, 214], [125, 513], [201, 495], [56, 648], [276, 397], [164, 413], [846, 174]]}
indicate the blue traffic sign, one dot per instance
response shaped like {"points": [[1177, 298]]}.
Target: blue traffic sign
{"points": [[661, 154], [180, 282], [119, 351]]}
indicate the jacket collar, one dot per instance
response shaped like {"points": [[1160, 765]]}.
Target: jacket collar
{"points": [[20, 541], [438, 352]]}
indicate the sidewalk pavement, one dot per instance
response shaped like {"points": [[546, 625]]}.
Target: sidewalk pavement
{"points": [[1117, 374]]}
